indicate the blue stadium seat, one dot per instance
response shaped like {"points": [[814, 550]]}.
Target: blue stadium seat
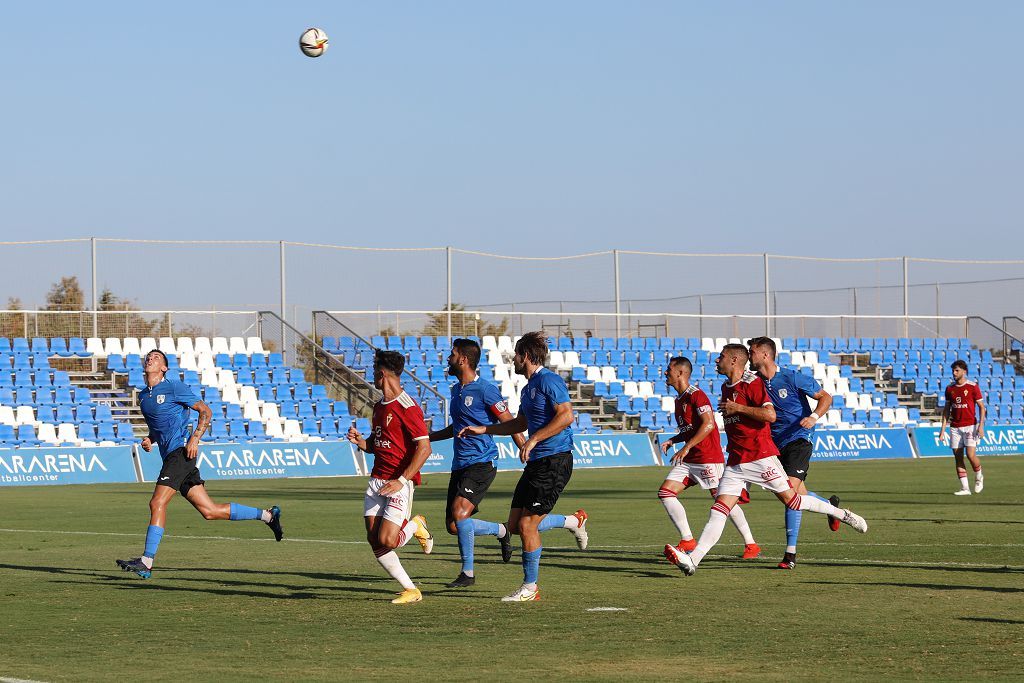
{"points": [[275, 360], [319, 392], [363, 425], [40, 345], [23, 396], [394, 343], [232, 411], [136, 378], [330, 344], [256, 431]]}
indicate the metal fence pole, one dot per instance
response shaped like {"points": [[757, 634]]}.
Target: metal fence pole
{"points": [[618, 302], [95, 298], [767, 301], [448, 289], [284, 310], [906, 300]]}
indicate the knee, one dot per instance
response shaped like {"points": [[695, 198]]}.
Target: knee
{"points": [[156, 506], [209, 514], [453, 530], [665, 492]]}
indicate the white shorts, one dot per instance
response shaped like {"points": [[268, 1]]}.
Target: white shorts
{"points": [[705, 475], [766, 473], [395, 508], [963, 436]]}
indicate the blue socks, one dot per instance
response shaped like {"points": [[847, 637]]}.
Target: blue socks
{"points": [[531, 565], [465, 528], [242, 512], [551, 522], [482, 528], [793, 518], [153, 536]]}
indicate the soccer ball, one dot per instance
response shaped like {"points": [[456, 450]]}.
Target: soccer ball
{"points": [[313, 42]]}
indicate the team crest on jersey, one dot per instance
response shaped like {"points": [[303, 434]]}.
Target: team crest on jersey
{"points": [[533, 393], [783, 393], [468, 401], [160, 398], [387, 420], [501, 407]]}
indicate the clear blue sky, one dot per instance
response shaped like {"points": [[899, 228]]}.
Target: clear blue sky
{"points": [[866, 129]]}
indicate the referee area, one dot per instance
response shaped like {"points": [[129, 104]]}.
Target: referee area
{"points": [[932, 591]]}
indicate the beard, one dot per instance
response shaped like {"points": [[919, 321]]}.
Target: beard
{"points": [[453, 370]]}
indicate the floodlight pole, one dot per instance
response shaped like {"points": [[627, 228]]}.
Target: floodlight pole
{"points": [[618, 300]]}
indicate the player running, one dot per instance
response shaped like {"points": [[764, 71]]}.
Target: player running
{"points": [[792, 430], [166, 405], [400, 445], [753, 457], [474, 401], [546, 411], [965, 413], [700, 461]]}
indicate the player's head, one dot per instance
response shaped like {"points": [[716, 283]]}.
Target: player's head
{"points": [[465, 354], [387, 364], [532, 347], [155, 361], [959, 369], [762, 350], [732, 357], [678, 371]]}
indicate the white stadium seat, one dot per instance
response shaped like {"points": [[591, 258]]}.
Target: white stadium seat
{"points": [[707, 344], [902, 416], [608, 374], [251, 411], [593, 373], [888, 415], [506, 346], [630, 388], [720, 342], [810, 357], [778, 344], [735, 340], [94, 345], [829, 385], [167, 346], [187, 361], [66, 433], [47, 433], [7, 416], [25, 415], [555, 359], [270, 413], [112, 345], [513, 405], [645, 389], [254, 345], [209, 377], [293, 430], [202, 345], [489, 343], [204, 361], [130, 345], [247, 394], [219, 345], [147, 344], [225, 378], [236, 345], [832, 371], [273, 429], [508, 388], [668, 404], [842, 385], [818, 371], [572, 359], [494, 357], [185, 345], [797, 358], [519, 382], [501, 373], [865, 402], [229, 394]]}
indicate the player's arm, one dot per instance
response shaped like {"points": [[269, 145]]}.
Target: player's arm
{"points": [[357, 440], [765, 413], [707, 425], [824, 400], [443, 434], [518, 437], [670, 442], [982, 412], [419, 457], [562, 418], [415, 428], [945, 419], [507, 428], [205, 415]]}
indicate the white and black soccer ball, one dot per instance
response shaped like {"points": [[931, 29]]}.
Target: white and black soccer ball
{"points": [[313, 42]]}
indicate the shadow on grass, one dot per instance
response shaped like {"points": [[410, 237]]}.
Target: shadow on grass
{"points": [[934, 520], [992, 620], [925, 586]]}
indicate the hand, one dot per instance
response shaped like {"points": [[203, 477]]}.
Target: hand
{"points": [[192, 448], [730, 407], [808, 422], [524, 452], [680, 455], [147, 444], [981, 433], [665, 445], [354, 437], [943, 437], [391, 488], [474, 430]]}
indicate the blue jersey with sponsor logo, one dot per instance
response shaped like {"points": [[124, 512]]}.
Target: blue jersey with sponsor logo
{"points": [[166, 408], [789, 390], [477, 403], [540, 396]]}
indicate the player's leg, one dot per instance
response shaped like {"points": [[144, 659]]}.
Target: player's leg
{"points": [[795, 501], [668, 493], [576, 523], [751, 550], [143, 565], [971, 451], [199, 497], [466, 491], [958, 460], [388, 528], [796, 461]]}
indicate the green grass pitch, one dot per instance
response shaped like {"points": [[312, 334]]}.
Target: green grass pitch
{"points": [[935, 590]]}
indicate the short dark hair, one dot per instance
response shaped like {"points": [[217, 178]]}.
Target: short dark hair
{"points": [[533, 345], [738, 348], [470, 349], [958, 364], [762, 342], [164, 355], [389, 360], [681, 360]]}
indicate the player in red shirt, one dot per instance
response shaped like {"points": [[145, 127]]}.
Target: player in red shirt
{"points": [[700, 461], [400, 445], [965, 413], [753, 457]]}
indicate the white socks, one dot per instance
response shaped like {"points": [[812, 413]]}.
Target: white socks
{"points": [[266, 516], [712, 532], [677, 514], [740, 520], [407, 532], [393, 566]]}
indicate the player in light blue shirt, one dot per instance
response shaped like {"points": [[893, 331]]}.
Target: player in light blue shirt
{"points": [[792, 430], [545, 409], [474, 402], [166, 405]]}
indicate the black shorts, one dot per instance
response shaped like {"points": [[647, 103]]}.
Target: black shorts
{"points": [[542, 482], [179, 473], [471, 482], [795, 457]]}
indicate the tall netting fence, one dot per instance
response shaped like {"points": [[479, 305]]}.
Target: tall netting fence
{"points": [[127, 323]]}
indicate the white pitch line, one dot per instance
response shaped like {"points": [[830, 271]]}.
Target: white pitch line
{"points": [[18, 680]]}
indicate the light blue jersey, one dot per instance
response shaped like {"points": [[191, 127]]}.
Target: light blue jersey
{"points": [[166, 408], [477, 403], [538, 401]]}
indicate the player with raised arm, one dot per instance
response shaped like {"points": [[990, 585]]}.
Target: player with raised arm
{"points": [[474, 401], [400, 445], [792, 430], [964, 412], [166, 405], [700, 461], [753, 457], [546, 411]]}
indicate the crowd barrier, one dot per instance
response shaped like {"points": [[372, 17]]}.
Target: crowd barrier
{"points": [[128, 464]]}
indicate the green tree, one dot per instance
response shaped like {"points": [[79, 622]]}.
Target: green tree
{"points": [[464, 324]]}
